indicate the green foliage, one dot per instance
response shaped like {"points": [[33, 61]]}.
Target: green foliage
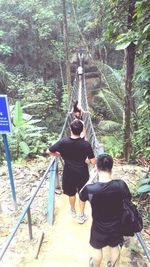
{"points": [[28, 139], [122, 45], [18, 115], [114, 106], [112, 145], [109, 127], [141, 138], [144, 189], [64, 103], [31, 134], [24, 148], [118, 33], [5, 50], [28, 30], [42, 103], [116, 17], [144, 185], [25, 135], [2, 33], [44, 20], [111, 99], [125, 39], [3, 79]]}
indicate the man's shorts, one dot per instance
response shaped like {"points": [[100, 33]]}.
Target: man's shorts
{"points": [[73, 184]]}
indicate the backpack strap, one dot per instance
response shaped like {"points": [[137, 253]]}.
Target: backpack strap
{"points": [[119, 184]]}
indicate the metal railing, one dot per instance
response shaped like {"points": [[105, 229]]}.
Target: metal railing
{"points": [[51, 170]]}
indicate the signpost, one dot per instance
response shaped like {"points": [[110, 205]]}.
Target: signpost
{"points": [[5, 128]]}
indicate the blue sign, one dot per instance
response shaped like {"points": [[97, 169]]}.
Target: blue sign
{"points": [[5, 125]]}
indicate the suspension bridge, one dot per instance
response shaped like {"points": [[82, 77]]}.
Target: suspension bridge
{"points": [[67, 242]]}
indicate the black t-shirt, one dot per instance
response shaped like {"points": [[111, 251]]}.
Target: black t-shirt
{"points": [[74, 152], [106, 203], [105, 199]]}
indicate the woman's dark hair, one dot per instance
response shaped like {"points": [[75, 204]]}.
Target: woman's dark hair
{"points": [[104, 162], [77, 127], [75, 107]]}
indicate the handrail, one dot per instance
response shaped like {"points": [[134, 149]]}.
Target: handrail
{"points": [[51, 198], [143, 245], [24, 212]]}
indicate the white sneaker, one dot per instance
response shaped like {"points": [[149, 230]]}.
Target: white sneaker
{"points": [[91, 263], [82, 218], [73, 213]]}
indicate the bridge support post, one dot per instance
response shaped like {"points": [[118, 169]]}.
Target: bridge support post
{"points": [[29, 223], [51, 196]]}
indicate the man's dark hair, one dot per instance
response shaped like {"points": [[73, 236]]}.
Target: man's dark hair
{"points": [[77, 127], [75, 107], [104, 162]]}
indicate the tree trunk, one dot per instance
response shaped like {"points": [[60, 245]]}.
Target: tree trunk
{"points": [[130, 57], [61, 73], [66, 43]]}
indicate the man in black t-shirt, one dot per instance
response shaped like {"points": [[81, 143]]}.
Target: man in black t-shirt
{"points": [[105, 197], [74, 150]]}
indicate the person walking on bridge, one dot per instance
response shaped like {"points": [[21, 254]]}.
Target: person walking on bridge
{"points": [[77, 113], [80, 72], [105, 197], [75, 151]]}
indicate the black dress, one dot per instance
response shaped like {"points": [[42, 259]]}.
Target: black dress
{"points": [[106, 203]]}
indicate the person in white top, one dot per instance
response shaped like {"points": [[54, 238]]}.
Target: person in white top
{"points": [[80, 71]]}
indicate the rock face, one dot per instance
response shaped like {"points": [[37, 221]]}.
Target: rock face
{"points": [[66, 243]]}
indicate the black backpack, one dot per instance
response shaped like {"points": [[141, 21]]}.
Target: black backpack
{"points": [[131, 219]]}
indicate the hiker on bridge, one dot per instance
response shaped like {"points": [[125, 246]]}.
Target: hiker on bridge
{"points": [[105, 197], [80, 56], [74, 150], [77, 113], [80, 72]]}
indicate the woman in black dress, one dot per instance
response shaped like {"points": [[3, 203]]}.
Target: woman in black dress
{"points": [[105, 197]]}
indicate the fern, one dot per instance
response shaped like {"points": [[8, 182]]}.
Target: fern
{"points": [[109, 127], [144, 185]]}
